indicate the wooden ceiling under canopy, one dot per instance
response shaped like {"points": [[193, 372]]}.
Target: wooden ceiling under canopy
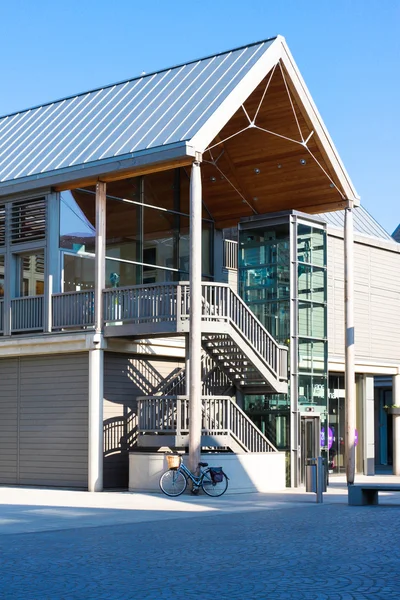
{"points": [[249, 171]]}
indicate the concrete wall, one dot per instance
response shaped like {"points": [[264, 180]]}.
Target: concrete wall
{"points": [[247, 472]]}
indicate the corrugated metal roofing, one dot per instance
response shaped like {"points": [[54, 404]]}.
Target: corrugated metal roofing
{"points": [[155, 110], [364, 223]]}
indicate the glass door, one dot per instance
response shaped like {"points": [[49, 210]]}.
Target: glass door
{"points": [[310, 440]]}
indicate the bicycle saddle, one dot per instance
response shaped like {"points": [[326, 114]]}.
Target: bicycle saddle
{"points": [[203, 464]]}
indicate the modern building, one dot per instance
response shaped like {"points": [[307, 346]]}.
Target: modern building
{"points": [[172, 272]]}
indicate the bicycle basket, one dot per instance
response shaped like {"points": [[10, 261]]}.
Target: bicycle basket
{"points": [[174, 461], [217, 474]]}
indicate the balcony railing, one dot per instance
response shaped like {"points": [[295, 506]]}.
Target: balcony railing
{"points": [[230, 254], [73, 310], [27, 313]]}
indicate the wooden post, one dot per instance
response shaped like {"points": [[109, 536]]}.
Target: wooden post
{"points": [[96, 353], [100, 257], [350, 392], [195, 318]]}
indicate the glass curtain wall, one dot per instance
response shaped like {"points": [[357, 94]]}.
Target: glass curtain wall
{"points": [[264, 284], [147, 233], [282, 278], [312, 324]]}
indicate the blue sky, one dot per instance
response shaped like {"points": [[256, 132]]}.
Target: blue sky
{"points": [[348, 52]]}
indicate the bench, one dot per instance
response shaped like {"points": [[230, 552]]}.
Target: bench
{"points": [[362, 494]]}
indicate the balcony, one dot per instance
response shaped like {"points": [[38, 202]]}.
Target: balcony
{"points": [[231, 334]]}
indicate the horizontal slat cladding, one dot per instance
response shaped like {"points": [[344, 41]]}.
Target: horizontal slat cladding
{"points": [[376, 301], [8, 420], [126, 378], [28, 221], [54, 420]]}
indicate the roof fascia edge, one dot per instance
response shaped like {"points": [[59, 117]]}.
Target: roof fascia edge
{"points": [[317, 122], [267, 60], [98, 169]]}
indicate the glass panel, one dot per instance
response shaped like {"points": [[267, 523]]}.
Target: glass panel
{"points": [[122, 230], [312, 321], [311, 283], [311, 356], [312, 391], [78, 273], [272, 417], [159, 190], [30, 280], [311, 245], [77, 221], [125, 188]]}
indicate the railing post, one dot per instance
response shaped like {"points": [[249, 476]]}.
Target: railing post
{"points": [[49, 305], [178, 306]]}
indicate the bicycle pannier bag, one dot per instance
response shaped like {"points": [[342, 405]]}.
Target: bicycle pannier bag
{"points": [[217, 474]]}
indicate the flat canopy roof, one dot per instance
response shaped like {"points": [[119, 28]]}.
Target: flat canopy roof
{"points": [[247, 111]]}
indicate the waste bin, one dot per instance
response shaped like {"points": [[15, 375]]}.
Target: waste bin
{"points": [[311, 475]]}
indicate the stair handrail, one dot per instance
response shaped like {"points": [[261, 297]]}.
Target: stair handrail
{"points": [[249, 327], [227, 418]]}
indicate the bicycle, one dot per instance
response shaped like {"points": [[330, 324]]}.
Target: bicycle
{"points": [[212, 481]]}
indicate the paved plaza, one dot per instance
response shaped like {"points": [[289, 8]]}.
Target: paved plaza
{"points": [[68, 545]]}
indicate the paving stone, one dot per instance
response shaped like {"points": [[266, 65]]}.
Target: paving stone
{"points": [[254, 550]]}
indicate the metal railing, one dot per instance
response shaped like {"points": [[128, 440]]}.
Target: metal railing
{"points": [[141, 303], [220, 416], [221, 303], [214, 381], [151, 304], [27, 313], [230, 254], [73, 310]]}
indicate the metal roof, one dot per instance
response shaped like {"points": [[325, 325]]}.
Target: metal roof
{"points": [[396, 234], [121, 120], [364, 223]]}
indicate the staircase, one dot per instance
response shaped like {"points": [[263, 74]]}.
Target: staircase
{"points": [[164, 421], [214, 381], [238, 343], [237, 349], [231, 334]]}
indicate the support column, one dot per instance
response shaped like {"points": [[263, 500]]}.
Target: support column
{"points": [[100, 257], [396, 424], [368, 422], [96, 374], [195, 318], [350, 391], [96, 353]]}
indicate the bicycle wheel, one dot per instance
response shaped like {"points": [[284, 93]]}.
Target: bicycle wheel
{"points": [[214, 489], [173, 482]]}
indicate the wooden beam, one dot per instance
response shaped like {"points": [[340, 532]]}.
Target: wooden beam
{"points": [[125, 174]]}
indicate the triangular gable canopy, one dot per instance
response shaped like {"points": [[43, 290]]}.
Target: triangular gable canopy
{"points": [[247, 111]]}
